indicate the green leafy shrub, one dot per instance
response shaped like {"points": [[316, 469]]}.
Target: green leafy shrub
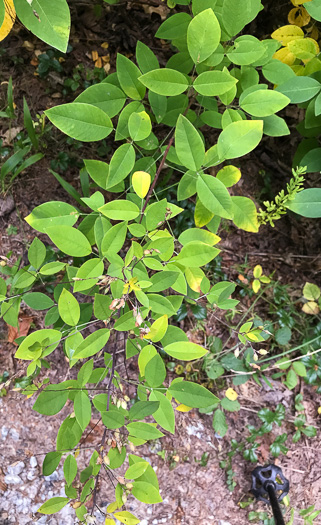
{"points": [[117, 267]]}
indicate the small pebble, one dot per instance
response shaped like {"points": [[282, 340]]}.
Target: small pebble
{"points": [[33, 462], [12, 480], [16, 468]]}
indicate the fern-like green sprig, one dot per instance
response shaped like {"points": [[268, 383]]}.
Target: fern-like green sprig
{"points": [[275, 209]]}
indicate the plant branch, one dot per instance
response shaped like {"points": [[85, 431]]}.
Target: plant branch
{"points": [[151, 189]]}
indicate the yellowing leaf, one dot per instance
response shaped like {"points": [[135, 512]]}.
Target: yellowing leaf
{"points": [[183, 408], [285, 56], [194, 277], [112, 506], [299, 16], [256, 285], [126, 517], [158, 329], [299, 2], [287, 33], [9, 19], [202, 215], [311, 308], [257, 272], [231, 394], [109, 521], [141, 183], [311, 292], [319, 410], [303, 48]]}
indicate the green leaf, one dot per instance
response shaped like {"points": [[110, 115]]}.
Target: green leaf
{"points": [[174, 27], [299, 368], [245, 214], [291, 379], [264, 102], [107, 97], [53, 213], [167, 82], [48, 21], [155, 371], [46, 338], [214, 83], [128, 75], [68, 435], [203, 36], [188, 144], [113, 419], [139, 126], [196, 254], [38, 301], [136, 470], [192, 394], [121, 164], [114, 239], [306, 203], [160, 305], [69, 240], [277, 72], [69, 309], [82, 409], [219, 422], [214, 196], [53, 505], [144, 431], [185, 351], [145, 57], [142, 409], [51, 462], [70, 469], [146, 492], [36, 253], [81, 121], [52, 268], [89, 273], [246, 50], [300, 89], [164, 415], [85, 372], [92, 344], [101, 306], [162, 281], [239, 138], [197, 234], [51, 400], [120, 210], [126, 517], [237, 15], [283, 335]]}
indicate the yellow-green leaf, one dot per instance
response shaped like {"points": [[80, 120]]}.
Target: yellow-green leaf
{"points": [[141, 183]]}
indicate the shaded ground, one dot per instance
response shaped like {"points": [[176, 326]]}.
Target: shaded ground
{"points": [[193, 494]]}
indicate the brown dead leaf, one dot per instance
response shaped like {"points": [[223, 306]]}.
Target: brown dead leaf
{"points": [[24, 325], [9, 135], [99, 62], [311, 308], [161, 10]]}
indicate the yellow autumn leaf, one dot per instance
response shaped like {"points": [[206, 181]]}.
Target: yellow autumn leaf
{"points": [[158, 329], [183, 408], [257, 272], [299, 2], [256, 285], [109, 521], [303, 48], [319, 410], [299, 17], [9, 19], [287, 33], [231, 394], [311, 308], [141, 183], [285, 56]]}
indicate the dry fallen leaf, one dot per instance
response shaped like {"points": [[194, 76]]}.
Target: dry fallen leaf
{"points": [[24, 325]]}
